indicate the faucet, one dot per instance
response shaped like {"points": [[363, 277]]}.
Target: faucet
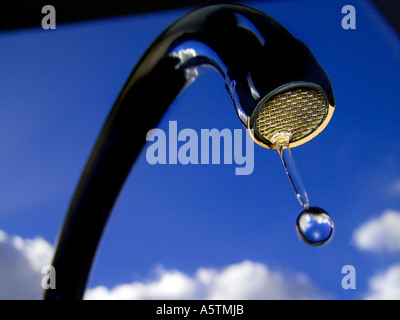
{"points": [[268, 73]]}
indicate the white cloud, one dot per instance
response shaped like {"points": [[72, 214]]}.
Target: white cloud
{"points": [[381, 234], [169, 285], [245, 280], [385, 286], [21, 262], [20, 266]]}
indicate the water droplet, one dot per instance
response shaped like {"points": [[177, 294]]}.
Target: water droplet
{"points": [[314, 226], [293, 173]]}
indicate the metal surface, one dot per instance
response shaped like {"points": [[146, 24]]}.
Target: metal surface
{"points": [[253, 53], [390, 10], [295, 113]]}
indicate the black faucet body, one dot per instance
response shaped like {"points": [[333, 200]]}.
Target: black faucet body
{"points": [[255, 56]]}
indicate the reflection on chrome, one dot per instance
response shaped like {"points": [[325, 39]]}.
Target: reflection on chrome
{"points": [[255, 56], [184, 56]]}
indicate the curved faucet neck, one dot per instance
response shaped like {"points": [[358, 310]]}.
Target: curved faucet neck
{"points": [[248, 48]]}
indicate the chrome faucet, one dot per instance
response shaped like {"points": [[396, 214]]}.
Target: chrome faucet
{"points": [[261, 64]]}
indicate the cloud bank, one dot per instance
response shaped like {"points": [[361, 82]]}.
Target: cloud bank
{"points": [[386, 285], [242, 281], [381, 234], [21, 262]]}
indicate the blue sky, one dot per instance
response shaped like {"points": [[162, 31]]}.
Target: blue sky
{"points": [[200, 231]]}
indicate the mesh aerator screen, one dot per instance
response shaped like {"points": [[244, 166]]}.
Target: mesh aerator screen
{"points": [[297, 112]]}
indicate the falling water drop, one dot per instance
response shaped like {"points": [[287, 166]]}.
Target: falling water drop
{"points": [[294, 176], [314, 226]]}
